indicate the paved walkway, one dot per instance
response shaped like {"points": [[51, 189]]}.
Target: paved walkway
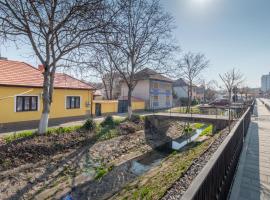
{"points": [[252, 181]]}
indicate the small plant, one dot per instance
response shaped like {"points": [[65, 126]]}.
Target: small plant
{"points": [[108, 121], [188, 129], [107, 133], [89, 125], [102, 171]]}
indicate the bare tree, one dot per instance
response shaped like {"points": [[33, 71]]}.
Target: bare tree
{"points": [[190, 67], [210, 90], [231, 79], [141, 37], [95, 62], [53, 29]]}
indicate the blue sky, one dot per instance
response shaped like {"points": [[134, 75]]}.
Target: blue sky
{"points": [[231, 33]]}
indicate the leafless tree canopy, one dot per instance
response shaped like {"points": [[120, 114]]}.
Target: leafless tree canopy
{"points": [[231, 79], [190, 67], [53, 29], [141, 37]]}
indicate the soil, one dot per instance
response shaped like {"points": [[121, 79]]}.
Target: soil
{"points": [[32, 150], [46, 167]]}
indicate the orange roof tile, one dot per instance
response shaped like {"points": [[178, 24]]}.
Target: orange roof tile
{"points": [[15, 73]]}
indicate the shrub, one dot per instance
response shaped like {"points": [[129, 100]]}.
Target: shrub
{"points": [[89, 125], [108, 121], [135, 118]]}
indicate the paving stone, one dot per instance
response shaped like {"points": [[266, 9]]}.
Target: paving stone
{"points": [[252, 179]]}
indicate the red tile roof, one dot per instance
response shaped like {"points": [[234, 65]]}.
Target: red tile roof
{"points": [[15, 73]]}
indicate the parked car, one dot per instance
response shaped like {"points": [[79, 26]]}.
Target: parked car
{"points": [[220, 102]]}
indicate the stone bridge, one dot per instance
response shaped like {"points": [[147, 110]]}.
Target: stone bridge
{"points": [[161, 120]]}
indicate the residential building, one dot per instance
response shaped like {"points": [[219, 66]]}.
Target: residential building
{"points": [[21, 94], [180, 88], [154, 88], [265, 83]]}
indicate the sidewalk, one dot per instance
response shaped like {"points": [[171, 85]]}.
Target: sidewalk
{"points": [[252, 181]]}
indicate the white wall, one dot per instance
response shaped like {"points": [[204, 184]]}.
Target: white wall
{"points": [[141, 90]]}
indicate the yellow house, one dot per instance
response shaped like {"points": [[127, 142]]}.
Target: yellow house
{"points": [[21, 95]]}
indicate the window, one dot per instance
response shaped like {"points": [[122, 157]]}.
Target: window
{"points": [[73, 102], [168, 102], [155, 101], [26, 103], [155, 85]]}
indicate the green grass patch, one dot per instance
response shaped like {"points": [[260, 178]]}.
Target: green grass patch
{"points": [[20, 135], [62, 130], [208, 131], [51, 131], [199, 125]]}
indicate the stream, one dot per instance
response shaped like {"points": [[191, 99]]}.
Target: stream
{"points": [[125, 173]]}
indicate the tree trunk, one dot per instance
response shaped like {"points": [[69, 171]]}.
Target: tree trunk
{"points": [[129, 102], [44, 120], [230, 96]]}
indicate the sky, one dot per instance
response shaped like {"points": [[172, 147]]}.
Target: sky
{"points": [[231, 34]]}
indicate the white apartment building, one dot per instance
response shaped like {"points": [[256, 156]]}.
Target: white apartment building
{"points": [[265, 83]]}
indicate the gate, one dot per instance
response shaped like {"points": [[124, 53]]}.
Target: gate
{"points": [[122, 106], [98, 109]]}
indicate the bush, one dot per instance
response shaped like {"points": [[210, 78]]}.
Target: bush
{"points": [[89, 125], [135, 118], [108, 121], [194, 102]]}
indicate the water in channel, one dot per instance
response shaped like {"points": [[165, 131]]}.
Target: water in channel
{"points": [[123, 174]]}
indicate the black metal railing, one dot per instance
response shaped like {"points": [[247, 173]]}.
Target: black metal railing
{"points": [[215, 179]]}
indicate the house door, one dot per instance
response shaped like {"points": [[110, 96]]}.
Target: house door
{"points": [[122, 106], [98, 109]]}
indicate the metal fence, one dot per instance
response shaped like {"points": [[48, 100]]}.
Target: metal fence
{"points": [[214, 181]]}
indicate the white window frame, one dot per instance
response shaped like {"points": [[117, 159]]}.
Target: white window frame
{"points": [[15, 102], [73, 96]]}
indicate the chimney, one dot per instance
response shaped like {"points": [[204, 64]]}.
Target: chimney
{"points": [[41, 68]]}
